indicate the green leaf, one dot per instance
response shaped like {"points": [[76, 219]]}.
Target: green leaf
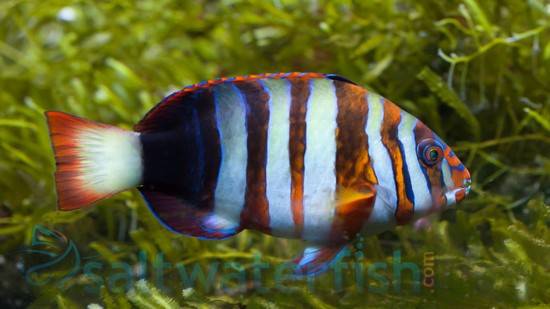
{"points": [[448, 96], [546, 54], [544, 122], [480, 16], [146, 296], [66, 303]]}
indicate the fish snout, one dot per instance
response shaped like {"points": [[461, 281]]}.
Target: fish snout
{"points": [[463, 183]]}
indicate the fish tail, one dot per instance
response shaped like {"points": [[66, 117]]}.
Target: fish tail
{"points": [[93, 161]]}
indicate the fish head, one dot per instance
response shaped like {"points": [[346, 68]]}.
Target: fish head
{"points": [[447, 178]]}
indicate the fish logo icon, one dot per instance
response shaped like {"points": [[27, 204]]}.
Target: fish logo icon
{"points": [[51, 257]]}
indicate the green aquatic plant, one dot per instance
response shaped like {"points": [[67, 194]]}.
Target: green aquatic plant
{"points": [[477, 72]]}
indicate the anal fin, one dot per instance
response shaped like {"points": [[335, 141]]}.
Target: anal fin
{"points": [[186, 218], [317, 259]]}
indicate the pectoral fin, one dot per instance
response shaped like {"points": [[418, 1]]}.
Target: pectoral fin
{"points": [[353, 209], [352, 195], [316, 260]]}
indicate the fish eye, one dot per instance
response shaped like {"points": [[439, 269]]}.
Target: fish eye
{"points": [[430, 151]]}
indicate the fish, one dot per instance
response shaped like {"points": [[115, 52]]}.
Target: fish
{"points": [[308, 156]]}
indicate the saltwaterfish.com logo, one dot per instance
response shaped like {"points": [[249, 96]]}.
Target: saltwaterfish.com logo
{"points": [[54, 259]]}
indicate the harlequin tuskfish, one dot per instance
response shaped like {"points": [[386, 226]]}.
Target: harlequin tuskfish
{"points": [[295, 155]]}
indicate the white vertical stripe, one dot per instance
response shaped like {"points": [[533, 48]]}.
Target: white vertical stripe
{"points": [[382, 216], [381, 219], [278, 162], [447, 175], [319, 161], [405, 133], [231, 122], [378, 153], [451, 197]]}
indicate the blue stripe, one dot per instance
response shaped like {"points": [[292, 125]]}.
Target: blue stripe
{"points": [[408, 185], [243, 102], [442, 180], [428, 182], [215, 111], [266, 90], [459, 167]]}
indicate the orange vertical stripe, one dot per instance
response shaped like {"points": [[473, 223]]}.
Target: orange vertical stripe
{"points": [[353, 165], [297, 147], [255, 213], [392, 117]]}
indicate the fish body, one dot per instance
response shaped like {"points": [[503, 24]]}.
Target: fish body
{"points": [[295, 155]]}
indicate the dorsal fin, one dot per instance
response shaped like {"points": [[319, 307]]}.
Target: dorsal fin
{"points": [[165, 113], [339, 78]]}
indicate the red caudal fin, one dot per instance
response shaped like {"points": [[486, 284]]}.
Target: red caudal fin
{"points": [[93, 160]]}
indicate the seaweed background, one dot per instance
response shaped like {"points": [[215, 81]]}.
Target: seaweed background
{"points": [[477, 72]]}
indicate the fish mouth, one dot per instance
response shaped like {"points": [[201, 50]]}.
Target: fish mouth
{"points": [[467, 185], [455, 196]]}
